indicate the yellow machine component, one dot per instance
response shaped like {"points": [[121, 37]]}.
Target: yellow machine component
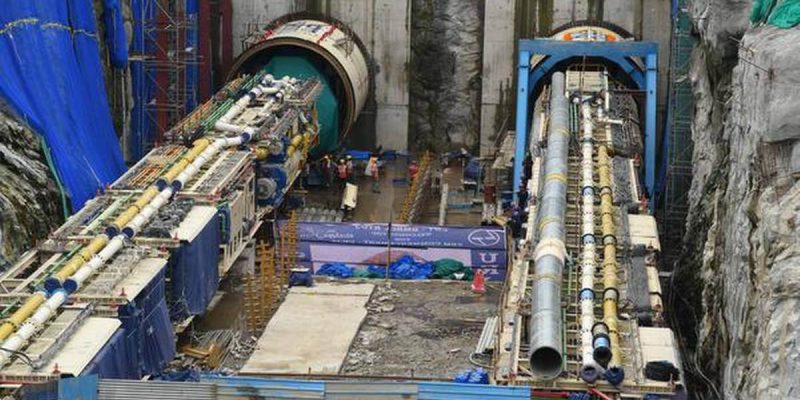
{"points": [[261, 153], [290, 150], [146, 197], [297, 140], [176, 169], [199, 146], [126, 216], [93, 247], [609, 256], [83, 256], [22, 313]]}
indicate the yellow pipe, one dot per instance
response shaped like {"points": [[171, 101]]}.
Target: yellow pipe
{"points": [[146, 197], [609, 257], [176, 169], [29, 307], [296, 140], [83, 256], [93, 247], [125, 217], [199, 146]]}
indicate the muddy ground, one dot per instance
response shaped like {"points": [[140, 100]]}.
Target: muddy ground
{"points": [[422, 329]]}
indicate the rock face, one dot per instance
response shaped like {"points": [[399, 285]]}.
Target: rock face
{"points": [[445, 85], [29, 200], [736, 289]]}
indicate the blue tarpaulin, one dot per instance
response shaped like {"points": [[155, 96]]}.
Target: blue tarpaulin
{"points": [[116, 360], [116, 41], [51, 78], [194, 272], [337, 270], [147, 325]]}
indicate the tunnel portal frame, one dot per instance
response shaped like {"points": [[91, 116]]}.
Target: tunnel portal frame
{"points": [[637, 60]]}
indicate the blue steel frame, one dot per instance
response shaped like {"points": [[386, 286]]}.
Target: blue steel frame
{"points": [[619, 53]]}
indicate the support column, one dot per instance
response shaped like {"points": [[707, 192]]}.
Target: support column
{"points": [[522, 119], [651, 61]]}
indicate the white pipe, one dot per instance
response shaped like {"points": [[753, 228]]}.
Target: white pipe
{"points": [[590, 370], [137, 222], [74, 282], [32, 325], [209, 152], [607, 94]]}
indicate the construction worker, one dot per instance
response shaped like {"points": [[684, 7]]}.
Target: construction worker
{"points": [[341, 173], [373, 171], [413, 168], [350, 169], [327, 170]]}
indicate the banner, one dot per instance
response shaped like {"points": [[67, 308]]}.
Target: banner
{"points": [[361, 245], [404, 235]]}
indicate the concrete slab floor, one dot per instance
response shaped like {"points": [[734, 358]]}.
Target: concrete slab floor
{"points": [[312, 330]]}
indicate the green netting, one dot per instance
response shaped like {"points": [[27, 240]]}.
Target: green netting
{"points": [[786, 14]]}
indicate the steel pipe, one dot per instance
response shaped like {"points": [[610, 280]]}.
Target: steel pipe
{"points": [[546, 331]]}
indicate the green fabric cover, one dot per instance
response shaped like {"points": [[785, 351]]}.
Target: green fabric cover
{"points": [[760, 11], [446, 268], [786, 14]]}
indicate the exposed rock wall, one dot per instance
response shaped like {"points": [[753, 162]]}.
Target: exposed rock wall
{"points": [[445, 82], [737, 285], [29, 201]]}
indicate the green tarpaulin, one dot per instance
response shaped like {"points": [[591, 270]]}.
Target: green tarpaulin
{"points": [[780, 13]]}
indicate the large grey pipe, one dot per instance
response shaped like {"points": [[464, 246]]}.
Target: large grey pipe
{"points": [[545, 325]]}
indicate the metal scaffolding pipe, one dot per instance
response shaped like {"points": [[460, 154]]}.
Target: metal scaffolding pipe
{"points": [[546, 333]]}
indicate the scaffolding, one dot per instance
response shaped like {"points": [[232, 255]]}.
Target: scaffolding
{"points": [[673, 204], [165, 82]]}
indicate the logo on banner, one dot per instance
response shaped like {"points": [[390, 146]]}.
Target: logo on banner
{"points": [[485, 237]]}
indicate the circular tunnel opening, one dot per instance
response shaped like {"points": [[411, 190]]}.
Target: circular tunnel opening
{"points": [[304, 45]]}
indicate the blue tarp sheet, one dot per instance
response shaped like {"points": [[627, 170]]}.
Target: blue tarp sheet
{"points": [[147, 326], [194, 272], [116, 360], [116, 41], [51, 78]]}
